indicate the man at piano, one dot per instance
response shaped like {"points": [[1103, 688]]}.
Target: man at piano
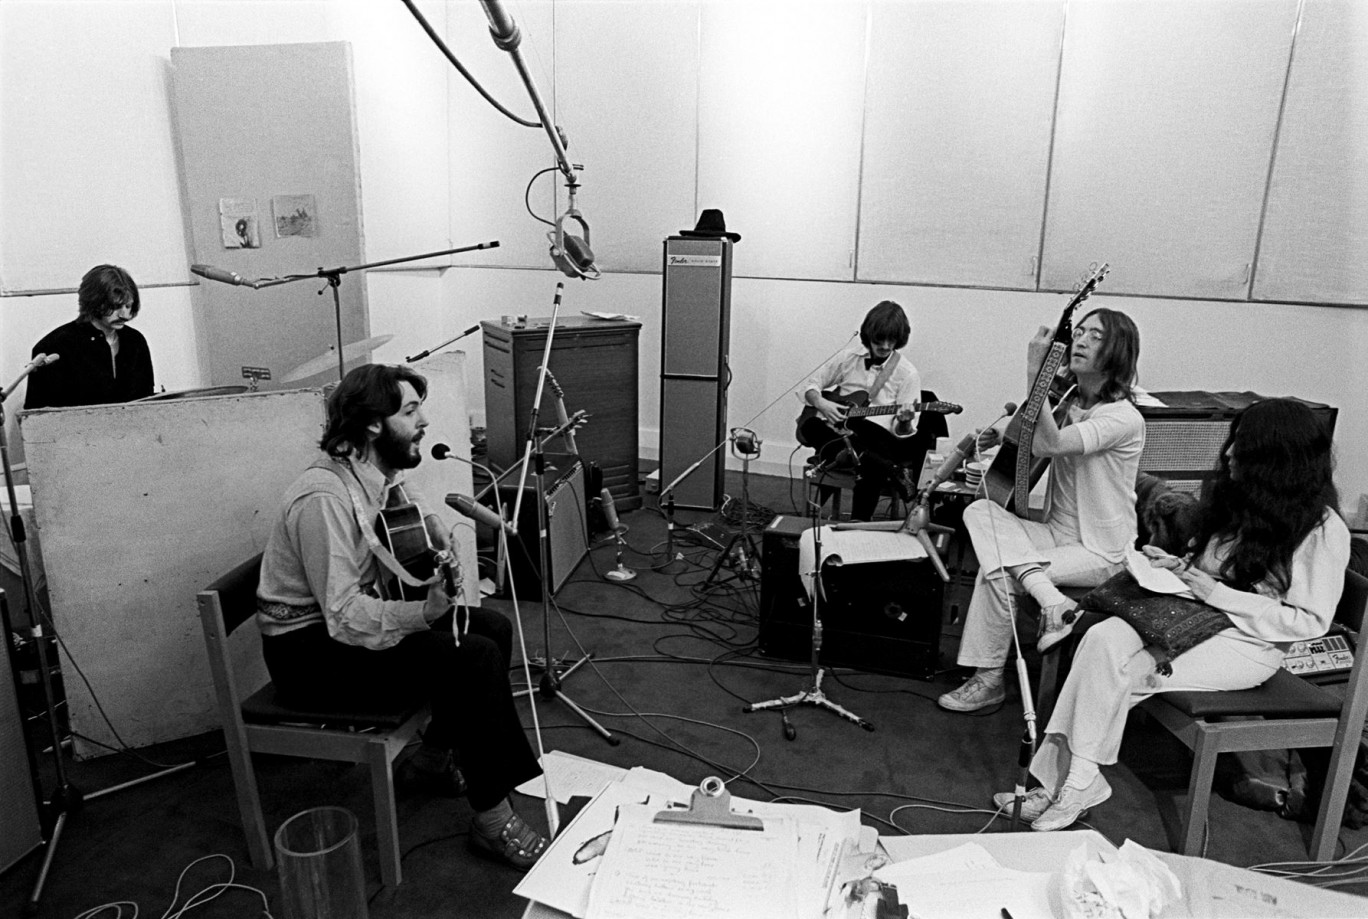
{"points": [[876, 375], [1089, 517], [334, 635]]}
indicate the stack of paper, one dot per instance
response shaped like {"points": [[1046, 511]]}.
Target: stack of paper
{"points": [[613, 860]]}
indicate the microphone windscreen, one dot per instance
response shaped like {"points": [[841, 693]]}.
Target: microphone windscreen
{"points": [[440, 451]]}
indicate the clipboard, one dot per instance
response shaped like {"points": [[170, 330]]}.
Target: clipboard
{"points": [[711, 806]]}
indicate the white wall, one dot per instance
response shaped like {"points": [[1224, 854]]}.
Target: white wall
{"points": [[439, 169]]}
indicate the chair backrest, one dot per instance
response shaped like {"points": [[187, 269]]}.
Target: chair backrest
{"points": [[237, 593], [1353, 602]]}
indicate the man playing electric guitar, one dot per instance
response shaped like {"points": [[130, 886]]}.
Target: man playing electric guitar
{"points": [[1089, 504], [879, 444]]}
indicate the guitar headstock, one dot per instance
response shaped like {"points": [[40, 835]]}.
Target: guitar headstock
{"points": [[942, 408], [555, 387], [1064, 331]]}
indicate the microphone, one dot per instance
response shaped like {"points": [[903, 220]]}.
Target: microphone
{"points": [[963, 450], [610, 511], [1009, 410], [469, 507], [441, 452], [218, 274]]}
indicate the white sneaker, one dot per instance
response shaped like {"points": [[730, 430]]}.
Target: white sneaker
{"points": [[976, 693], [1036, 802], [1073, 803], [1056, 623]]}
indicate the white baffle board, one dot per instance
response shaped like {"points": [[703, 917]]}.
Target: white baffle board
{"points": [[142, 505]]}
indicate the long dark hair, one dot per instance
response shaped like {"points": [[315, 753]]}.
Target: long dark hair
{"points": [[1119, 355], [105, 289], [1272, 488], [886, 322], [367, 394]]}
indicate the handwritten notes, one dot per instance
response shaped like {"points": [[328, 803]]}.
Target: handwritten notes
{"points": [[705, 872]]}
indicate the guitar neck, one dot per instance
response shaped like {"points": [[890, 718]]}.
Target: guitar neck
{"points": [[868, 410]]}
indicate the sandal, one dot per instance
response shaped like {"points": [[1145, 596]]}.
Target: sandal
{"points": [[517, 844]]}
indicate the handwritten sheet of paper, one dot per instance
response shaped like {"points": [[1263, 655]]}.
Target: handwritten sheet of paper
{"points": [[1155, 580], [976, 892], [562, 877], [704, 872], [570, 776]]}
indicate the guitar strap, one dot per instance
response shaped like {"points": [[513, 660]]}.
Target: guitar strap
{"points": [[383, 555], [885, 372]]}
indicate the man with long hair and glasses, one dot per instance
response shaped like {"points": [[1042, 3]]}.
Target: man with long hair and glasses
{"points": [[333, 637], [102, 358], [1090, 515]]}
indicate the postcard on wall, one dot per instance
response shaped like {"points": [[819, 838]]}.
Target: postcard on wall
{"points": [[295, 215], [238, 223]]}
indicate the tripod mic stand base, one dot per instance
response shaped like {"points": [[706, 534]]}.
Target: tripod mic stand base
{"points": [[620, 573], [811, 696]]}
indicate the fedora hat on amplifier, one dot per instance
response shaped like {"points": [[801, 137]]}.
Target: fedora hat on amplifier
{"points": [[711, 225]]}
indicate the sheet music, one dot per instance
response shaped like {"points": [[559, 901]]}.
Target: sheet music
{"points": [[704, 872]]}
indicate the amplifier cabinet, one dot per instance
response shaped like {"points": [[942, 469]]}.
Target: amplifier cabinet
{"points": [[595, 363], [1184, 436], [879, 616], [567, 527]]}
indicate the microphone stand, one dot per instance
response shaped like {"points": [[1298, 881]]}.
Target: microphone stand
{"points": [[334, 278], [813, 694], [66, 798], [535, 459], [413, 359]]}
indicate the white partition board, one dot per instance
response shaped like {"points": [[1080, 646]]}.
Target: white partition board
{"points": [[140, 506], [781, 99], [1167, 113], [957, 141], [1315, 238]]}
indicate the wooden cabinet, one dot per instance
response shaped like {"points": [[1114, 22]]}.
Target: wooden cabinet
{"points": [[595, 363]]}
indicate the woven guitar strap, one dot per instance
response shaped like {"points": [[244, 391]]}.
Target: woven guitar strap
{"points": [[383, 555]]}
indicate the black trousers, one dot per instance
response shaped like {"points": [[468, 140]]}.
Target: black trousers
{"points": [[880, 456], [467, 686]]}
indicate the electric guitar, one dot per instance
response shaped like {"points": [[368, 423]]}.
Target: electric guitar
{"points": [[1008, 481], [857, 407], [402, 531]]}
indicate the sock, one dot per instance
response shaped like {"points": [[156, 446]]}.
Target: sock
{"points": [[1039, 586], [489, 823], [991, 675], [1081, 773]]}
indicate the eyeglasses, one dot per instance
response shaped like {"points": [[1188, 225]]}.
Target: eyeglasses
{"points": [[1094, 335]]}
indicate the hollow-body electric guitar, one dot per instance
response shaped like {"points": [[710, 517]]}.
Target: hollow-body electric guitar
{"points": [[1008, 481]]}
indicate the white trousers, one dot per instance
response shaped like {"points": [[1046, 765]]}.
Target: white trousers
{"points": [[1112, 674], [1003, 540]]}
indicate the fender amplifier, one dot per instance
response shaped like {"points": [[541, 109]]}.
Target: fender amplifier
{"points": [[567, 528], [879, 616]]}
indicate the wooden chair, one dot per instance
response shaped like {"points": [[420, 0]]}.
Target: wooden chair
{"points": [[259, 723], [1294, 713]]}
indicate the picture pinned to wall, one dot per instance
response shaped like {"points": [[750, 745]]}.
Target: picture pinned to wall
{"points": [[295, 215], [238, 223]]}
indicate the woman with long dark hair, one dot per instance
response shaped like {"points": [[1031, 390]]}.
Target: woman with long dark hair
{"points": [[1270, 553]]}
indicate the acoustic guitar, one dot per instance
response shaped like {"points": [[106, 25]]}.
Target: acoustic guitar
{"points": [[402, 531], [1014, 471], [857, 406]]}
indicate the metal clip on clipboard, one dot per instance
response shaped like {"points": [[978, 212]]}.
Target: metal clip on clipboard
{"points": [[711, 806]]}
